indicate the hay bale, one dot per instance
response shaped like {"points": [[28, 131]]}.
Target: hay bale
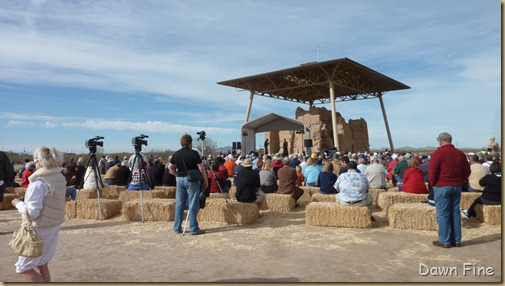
{"points": [[232, 212], [85, 194], [88, 208], [148, 194], [393, 189], [489, 214], [170, 191], [21, 192], [154, 210], [111, 192], [279, 202], [387, 199], [467, 199], [389, 184], [416, 216], [7, 201], [308, 192], [232, 192], [221, 196], [324, 198], [375, 194], [335, 214]]}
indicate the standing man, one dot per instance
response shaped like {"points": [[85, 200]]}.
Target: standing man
{"points": [[266, 146], [7, 174], [447, 171]]}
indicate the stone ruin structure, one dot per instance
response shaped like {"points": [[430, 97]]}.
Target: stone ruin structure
{"points": [[352, 135]]}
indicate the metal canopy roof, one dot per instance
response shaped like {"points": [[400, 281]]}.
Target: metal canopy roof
{"points": [[309, 83]]}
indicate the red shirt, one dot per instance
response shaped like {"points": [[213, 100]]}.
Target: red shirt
{"points": [[448, 167], [413, 181], [24, 178], [391, 166]]}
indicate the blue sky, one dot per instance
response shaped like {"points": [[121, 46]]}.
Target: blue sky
{"points": [[71, 70]]}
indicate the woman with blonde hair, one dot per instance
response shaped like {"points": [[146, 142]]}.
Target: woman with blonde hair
{"points": [[268, 179], [45, 202]]}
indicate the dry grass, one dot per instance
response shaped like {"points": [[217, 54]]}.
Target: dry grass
{"points": [[375, 194], [149, 194], [232, 212], [111, 192], [308, 192], [415, 216], [334, 214], [170, 191], [154, 210], [467, 199], [85, 194]]}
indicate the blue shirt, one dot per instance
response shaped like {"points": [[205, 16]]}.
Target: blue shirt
{"points": [[353, 186], [326, 182], [311, 174]]}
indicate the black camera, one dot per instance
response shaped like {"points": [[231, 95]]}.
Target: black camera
{"points": [[138, 141], [93, 142], [202, 135]]}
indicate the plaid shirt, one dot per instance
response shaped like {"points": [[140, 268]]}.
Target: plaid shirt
{"points": [[135, 177]]}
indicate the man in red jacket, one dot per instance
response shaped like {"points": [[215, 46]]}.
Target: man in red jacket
{"points": [[447, 171]]}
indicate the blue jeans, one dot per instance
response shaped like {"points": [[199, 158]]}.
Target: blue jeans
{"points": [[398, 183], [187, 196], [447, 200], [70, 192]]}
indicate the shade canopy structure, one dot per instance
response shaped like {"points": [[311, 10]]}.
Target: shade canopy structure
{"points": [[268, 122], [320, 83]]}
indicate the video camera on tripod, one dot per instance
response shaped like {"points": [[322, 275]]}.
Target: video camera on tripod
{"points": [[93, 142], [138, 141], [202, 135]]}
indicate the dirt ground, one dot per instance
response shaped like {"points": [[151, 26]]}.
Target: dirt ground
{"points": [[279, 247]]}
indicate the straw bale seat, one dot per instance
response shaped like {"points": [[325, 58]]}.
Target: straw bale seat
{"points": [[337, 215], [111, 191], [88, 208], [232, 192], [85, 194], [393, 189], [170, 191], [232, 212], [324, 198], [467, 199], [279, 202], [308, 192], [7, 200], [219, 196], [416, 216], [154, 210], [20, 191], [387, 199], [375, 194], [489, 214], [146, 194]]}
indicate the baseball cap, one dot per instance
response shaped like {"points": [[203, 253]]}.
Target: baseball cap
{"points": [[444, 136]]}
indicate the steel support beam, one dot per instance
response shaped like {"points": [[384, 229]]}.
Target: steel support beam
{"points": [[386, 123], [334, 115], [248, 112]]}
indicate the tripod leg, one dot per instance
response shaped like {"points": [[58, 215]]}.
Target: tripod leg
{"points": [[97, 176], [185, 223]]}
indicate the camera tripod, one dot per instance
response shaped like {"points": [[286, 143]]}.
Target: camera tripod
{"points": [[94, 166], [139, 166]]}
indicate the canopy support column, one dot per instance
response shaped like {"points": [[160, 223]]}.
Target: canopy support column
{"points": [[386, 123], [248, 112], [334, 115]]}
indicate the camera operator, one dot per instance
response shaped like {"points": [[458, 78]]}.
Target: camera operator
{"points": [[184, 161]]}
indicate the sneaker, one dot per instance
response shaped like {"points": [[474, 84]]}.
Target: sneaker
{"points": [[464, 213], [455, 244], [439, 244], [198, 232]]}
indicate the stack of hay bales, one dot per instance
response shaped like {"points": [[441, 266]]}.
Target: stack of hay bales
{"points": [[308, 192], [387, 199], [154, 210], [88, 208], [489, 214], [375, 194], [279, 202], [222, 196], [336, 215], [170, 191], [324, 198], [111, 191], [467, 199], [85, 194], [147, 194], [232, 212], [393, 189], [416, 216]]}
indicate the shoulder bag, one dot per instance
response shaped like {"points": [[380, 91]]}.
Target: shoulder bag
{"points": [[193, 175], [25, 241]]}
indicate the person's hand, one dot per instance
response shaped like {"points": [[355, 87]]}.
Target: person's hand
{"points": [[16, 201]]}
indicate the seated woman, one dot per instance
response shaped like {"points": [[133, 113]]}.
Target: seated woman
{"points": [[413, 179], [327, 179], [268, 179], [221, 176], [311, 173], [491, 195]]}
